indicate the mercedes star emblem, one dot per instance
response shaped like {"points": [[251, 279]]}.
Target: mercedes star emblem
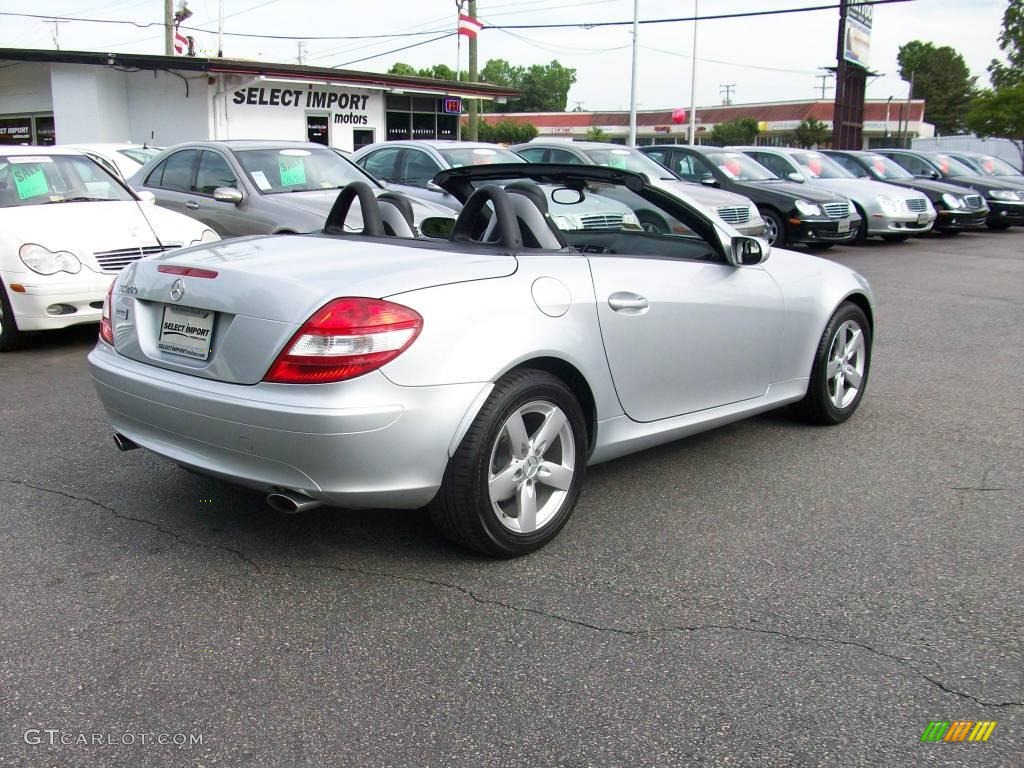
{"points": [[177, 290]]}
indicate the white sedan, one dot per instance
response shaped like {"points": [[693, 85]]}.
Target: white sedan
{"points": [[67, 227], [123, 159]]}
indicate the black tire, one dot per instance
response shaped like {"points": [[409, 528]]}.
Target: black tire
{"points": [[948, 232], [819, 246], [895, 238], [10, 336], [774, 220], [653, 223], [862, 229], [997, 226], [817, 407], [462, 510]]}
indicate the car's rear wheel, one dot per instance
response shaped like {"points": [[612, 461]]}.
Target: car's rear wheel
{"points": [[774, 228], [841, 366], [515, 478], [10, 336]]}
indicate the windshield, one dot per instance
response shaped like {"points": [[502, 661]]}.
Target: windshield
{"points": [[884, 168], [817, 166], [457, 158], [629, 160], [990, 165], [739, 167], [951, 167], [298, 170], [141, 155], [42, 179]]}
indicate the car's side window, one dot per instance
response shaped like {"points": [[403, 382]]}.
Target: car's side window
{"points": [[562, 156], [110, 168], [686, 166], [777, 165], [381, 163], [535, 155], [419, 168], [851, 165], [213, 172], [178, 171], [914, 165], [155, 178]]}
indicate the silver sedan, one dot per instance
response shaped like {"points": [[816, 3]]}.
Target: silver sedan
{"points": [[480, 374], [261, 187]]}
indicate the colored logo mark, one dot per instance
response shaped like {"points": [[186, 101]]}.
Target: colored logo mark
{"points": [[958, 730]]}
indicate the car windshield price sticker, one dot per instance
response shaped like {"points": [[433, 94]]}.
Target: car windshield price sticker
{"points": [[186, 331], [30, 181], [293, 171]]}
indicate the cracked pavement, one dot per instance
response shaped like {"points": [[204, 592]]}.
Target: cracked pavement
{"points": [[767, 594]]}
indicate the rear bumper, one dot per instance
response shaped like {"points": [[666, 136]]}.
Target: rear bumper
{"points": [[361, 443], [46, 303]]}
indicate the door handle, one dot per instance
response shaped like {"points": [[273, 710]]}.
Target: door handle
{"points": [[629, 303], [192, 204]]}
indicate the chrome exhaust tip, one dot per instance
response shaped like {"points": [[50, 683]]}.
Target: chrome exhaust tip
{"points": [[291, 503], [123, 443]]}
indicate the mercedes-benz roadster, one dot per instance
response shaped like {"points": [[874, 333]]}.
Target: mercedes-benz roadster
{"points": [[476, 367]]}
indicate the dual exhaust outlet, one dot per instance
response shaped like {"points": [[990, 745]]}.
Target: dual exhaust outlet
{"points": [[285, 502]]}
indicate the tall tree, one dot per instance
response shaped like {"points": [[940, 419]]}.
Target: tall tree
{"points": [[810, 133], [1011, 41], [743, 130], [545, 88], [942, 79], [1000, 114]]}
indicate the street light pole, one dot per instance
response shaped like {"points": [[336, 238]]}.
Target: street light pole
{"points": [[693, 77], [632, 82]]}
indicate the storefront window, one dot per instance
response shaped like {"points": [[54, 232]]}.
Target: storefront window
{"points": [[16, 130], [398, 126], [423, 126], [447, 126]]}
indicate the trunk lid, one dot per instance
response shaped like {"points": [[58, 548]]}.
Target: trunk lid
{"points": [[258, 291]]}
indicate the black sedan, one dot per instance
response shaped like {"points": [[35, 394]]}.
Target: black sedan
{"points": [[958, 208], [1005, 199], [792, 213], [989, 166]]}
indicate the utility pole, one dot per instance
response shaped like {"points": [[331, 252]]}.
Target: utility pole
{"points": [[726, 90], [632, 81], [56, 32], [693, 78], [302, 51], [168, 27], [824, 84], [473, 126]]}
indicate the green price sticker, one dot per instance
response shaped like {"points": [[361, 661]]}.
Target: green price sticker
{"points": [[293, 171], [30, 181]]}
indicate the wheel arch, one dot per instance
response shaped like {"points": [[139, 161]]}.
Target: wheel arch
{"points": [[575, 380], [862, 301]]}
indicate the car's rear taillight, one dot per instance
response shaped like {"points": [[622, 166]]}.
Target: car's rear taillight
{"points": [[344, 339], [106, 327]]}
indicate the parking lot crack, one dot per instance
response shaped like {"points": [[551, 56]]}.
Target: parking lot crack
{"points": [[163, 530]]}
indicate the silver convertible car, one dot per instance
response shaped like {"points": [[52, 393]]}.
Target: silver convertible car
{"points": [[479, 374]]}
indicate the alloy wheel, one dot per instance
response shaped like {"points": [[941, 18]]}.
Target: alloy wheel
{"points": [[847, 359], [531, 467], [771, 232]]}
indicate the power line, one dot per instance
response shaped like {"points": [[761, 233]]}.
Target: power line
{"points": [[393, 50], [585, 24], [726, 89]]}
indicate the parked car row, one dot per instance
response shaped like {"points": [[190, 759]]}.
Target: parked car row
{"points": [[56, 262]]}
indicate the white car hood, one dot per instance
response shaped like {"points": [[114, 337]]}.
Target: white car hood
{"points": [[858, 188], [86, 228]]}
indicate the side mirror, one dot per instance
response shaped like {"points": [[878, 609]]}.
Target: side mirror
{"points": [[933, 175], [437, 227], [227, 195], [146, 197], [749, 251], [794, 176], [709, 180]]}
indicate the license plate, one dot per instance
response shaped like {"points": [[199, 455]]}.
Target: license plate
{"points": [[843, 226], [186, 331], [922, 218]]}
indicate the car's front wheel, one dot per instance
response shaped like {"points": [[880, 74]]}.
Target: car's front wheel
{"points": [[841, 366], [774, 227], [515, 478], [10, 337]]}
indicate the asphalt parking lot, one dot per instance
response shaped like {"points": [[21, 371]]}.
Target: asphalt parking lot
{"points": [[767, 594]]}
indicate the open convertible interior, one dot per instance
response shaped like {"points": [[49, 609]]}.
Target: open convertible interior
{"points": [[516, 214]]}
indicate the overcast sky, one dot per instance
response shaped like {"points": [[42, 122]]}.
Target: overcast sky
{"points": [[768, 58]]}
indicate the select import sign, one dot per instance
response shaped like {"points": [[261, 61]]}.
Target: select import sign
{"points": [[857, 35], [348, 107]]}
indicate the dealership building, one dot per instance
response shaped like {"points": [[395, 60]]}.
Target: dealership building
{"points": [[886, 122], [70, 97]]}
